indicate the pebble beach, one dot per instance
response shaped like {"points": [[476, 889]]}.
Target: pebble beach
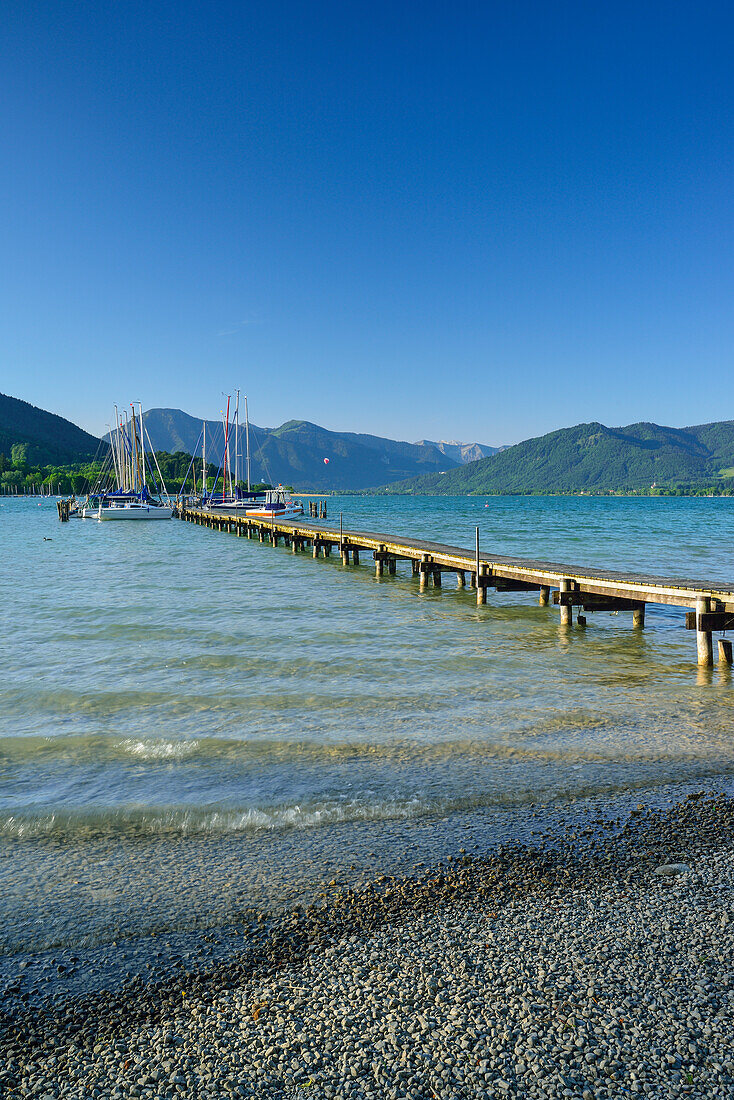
{"points": [[584, 966]]}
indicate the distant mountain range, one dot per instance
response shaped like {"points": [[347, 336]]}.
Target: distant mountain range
{"points": [[461, 452], [42, 438], [584, 458], [296, 452], [594, 458]]}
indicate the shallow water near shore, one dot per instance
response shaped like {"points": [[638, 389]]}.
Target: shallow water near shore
{"points": [[192, 724]]}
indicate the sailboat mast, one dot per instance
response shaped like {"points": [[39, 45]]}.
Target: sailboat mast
{"points": [[203, 465], [226, 446], [247, 443], [237, 442], [119, 469], [142, 442], [136, 464]]}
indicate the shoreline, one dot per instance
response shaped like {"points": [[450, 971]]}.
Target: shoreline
{"points": [[463, 920]]}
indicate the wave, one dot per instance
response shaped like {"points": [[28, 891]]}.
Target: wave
{"points": [[141, 822], [184, 821], [516, 745]]}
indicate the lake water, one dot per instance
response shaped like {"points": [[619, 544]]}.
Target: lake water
{"points": [[192, 723]]}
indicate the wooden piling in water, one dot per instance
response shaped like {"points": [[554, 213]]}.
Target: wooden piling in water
{"points": [[460, 578], [704, 638], [481, 587], [544, 597], [566, 609], [725, 651], [638, 617]]}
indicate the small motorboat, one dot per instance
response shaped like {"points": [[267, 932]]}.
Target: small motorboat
{"points": [[277, 504]]}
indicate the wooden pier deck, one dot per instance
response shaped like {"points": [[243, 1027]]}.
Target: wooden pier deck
{"points": [[568, 586]]}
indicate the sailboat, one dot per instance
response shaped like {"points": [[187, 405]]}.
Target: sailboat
{"points": [[267, 504], [132, 498]]}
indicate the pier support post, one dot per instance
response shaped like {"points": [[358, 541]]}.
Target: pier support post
{"points": [[345, 556], [725, 652], [378, 565], [566, 611], [423, 568], [295, 545], [316, 548], [391, 566], [262, 534], [472, 579], [544, 597], [436, 578], [638, 617], [481, 587], [327, 549], [704, 640], [461, 579], [414, 567], [355, 556]]}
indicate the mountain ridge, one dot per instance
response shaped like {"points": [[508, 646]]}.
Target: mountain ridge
{"points": [[38, 437], [295, 452], [592, 457]]}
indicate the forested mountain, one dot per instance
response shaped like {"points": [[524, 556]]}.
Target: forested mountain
{"points": [[595, 458], [296, 452], [41, 438]]}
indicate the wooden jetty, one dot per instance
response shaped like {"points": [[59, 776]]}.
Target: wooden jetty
{"points": [[568, 586]]}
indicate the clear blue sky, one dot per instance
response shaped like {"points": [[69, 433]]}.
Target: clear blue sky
{"points": [[474, 220]]}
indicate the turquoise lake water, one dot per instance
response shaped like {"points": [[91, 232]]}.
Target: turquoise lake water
{"points": [[191, 721]]}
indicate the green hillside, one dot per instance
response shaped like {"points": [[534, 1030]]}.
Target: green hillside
{"points": [[41, 438], [595, 458]]}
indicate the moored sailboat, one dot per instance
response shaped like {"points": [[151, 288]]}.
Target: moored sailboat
{"points": [[132, 498]]}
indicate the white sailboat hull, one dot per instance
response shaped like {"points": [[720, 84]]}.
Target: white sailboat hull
{"points": [[129, 512]]}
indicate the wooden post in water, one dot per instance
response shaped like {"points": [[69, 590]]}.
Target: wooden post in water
{"points": [[391, 566], [460, 579], [481, 585], [316, 548], [423, 571], [345, 555], [725, 653], [544, 597], [436, 577], [638, 617], [704, 640], [378, 563], [355, 556], [566, 610], [414, 566]]}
